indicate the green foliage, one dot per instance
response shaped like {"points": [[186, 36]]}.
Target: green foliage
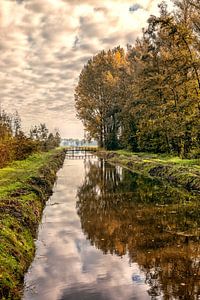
{"points": [[16, 145], [98, 96], [147, 98], [45, 140], [183, 172]]}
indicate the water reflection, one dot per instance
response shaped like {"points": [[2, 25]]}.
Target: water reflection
{"points": [[66, 265], [156, 225]]}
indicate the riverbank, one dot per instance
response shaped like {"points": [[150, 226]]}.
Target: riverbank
{"points": [[25, 186], [180, 172]]}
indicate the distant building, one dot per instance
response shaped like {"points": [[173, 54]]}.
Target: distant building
{"points": [[76, 143]]}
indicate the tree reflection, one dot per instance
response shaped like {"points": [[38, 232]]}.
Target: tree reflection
{"points": [[156, 225]]}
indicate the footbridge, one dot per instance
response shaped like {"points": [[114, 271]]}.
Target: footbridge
{"points": [[81, 148], [80, 152]]}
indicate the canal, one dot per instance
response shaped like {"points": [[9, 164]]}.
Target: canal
{"points": [[108, 233]]}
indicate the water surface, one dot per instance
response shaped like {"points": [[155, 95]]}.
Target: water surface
{"points": [[107, 233]]}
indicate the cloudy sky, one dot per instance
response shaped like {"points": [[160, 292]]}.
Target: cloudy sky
{"points": [[44, 45]]}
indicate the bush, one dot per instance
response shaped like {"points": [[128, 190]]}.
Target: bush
{"points": [[6, 153], [24, 147]]}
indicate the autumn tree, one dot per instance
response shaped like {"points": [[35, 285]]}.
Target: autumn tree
{"points": [[166, 84], [15, 144], [45, 140], [98, 96], [147, 98]]}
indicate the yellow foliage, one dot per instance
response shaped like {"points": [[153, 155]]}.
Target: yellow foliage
{"points": [[109, 78], [118, 59]]}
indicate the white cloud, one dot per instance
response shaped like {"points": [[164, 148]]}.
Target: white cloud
{"points": [[44, 45]]}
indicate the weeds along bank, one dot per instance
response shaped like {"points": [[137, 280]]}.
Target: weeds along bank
{"points": [[183, 172], [25, 186]]}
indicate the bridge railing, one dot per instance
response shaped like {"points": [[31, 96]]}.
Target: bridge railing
{"points": [[81, 148]]}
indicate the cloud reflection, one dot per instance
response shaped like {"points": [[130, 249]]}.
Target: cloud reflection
{"points": [[66, 265]]}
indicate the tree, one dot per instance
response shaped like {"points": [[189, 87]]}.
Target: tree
{"points": [[147, 98], [97, 97], [5, 126], [167, 84]]}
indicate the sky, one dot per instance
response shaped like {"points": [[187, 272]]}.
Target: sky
{"points": [[44, 44]]}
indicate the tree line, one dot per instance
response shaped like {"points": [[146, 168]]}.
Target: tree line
{"points": [[16, 145], [147, 97]]}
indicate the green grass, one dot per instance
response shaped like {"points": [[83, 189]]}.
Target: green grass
{"points": [[16, 174], [24, 188], [163, 158], [179, 172]]}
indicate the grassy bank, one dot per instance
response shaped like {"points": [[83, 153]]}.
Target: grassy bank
{"points": [[24, 188], [183, 172]]}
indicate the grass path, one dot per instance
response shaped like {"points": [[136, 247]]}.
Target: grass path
{"points": [[24, 188]]}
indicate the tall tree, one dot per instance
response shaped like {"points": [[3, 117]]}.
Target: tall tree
{"points": [[97, 96], [148, 98]]}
